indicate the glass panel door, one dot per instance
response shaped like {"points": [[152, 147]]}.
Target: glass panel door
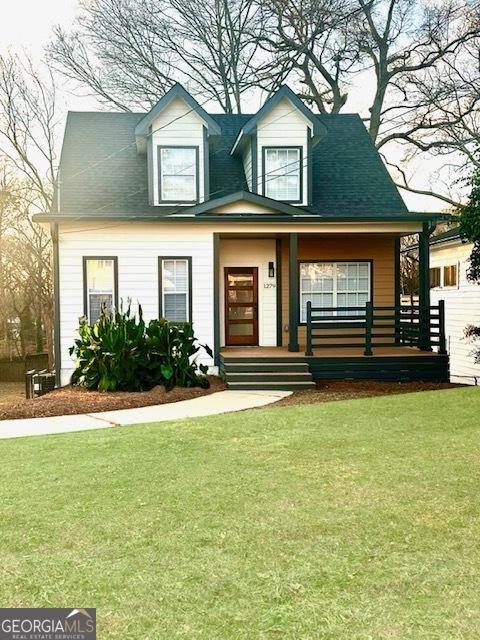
{"points": [[241, 306]]}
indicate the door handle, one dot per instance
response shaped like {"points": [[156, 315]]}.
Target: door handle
{"points": [[255, 311]]}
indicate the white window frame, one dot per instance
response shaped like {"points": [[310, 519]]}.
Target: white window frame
{"points": [[335, 291], [268, 179], [195, 173], [188, 290]]}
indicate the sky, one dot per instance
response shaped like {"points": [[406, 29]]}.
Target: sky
{"points": [[27, 24]]}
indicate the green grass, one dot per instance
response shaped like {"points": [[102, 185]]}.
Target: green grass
{"points": [[348, 520]]}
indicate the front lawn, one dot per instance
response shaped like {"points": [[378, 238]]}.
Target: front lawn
{"points": [[350, 520]]}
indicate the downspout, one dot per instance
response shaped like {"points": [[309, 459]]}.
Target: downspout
{"points": [[56, 303]]}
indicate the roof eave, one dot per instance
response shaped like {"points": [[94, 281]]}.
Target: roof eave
{"points": [[249, 129], [177, 91], [300, 217]]}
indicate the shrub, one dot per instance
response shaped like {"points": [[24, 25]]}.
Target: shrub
{"points": [[122, 353]]}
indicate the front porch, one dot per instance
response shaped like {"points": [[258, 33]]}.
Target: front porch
{"points": [[277, 367]]}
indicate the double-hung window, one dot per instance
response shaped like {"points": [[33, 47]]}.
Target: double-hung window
{"points": [[450, 276], [334, 284], [100, 286], [175, 278], [178, 174], [434, 277], [282, 173]]}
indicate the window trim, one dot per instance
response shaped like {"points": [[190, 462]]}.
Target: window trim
{"points": [[298, 148], [450, 266], [344, 323], [435, 286], [189, 281], [197, 173], [85, 259]]}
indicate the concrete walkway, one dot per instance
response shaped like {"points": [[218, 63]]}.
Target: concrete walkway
{"points": [[221, 402]]}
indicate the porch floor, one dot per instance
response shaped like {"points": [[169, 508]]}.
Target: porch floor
{"points": [[346, 352]]}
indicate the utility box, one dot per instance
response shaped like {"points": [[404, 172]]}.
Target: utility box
{"points": [[38, 383]]}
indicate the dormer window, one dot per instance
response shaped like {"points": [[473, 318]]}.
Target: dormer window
{"points": [[282, 173], [178, 174]]}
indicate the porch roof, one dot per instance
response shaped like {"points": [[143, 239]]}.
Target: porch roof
{"points": [[202, 213]]}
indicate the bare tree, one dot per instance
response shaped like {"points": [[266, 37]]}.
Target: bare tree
{"points": [[308, 44], [117, 51], [426, 90], [28, 121], [129, 52], [216, 42]]}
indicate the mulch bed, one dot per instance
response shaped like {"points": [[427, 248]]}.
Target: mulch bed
{"points": [[71, 400], [332, 390]]}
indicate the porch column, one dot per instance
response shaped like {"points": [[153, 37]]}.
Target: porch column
{"points": [[293, 299], [216, 299], [398, 290], [424, 286]]}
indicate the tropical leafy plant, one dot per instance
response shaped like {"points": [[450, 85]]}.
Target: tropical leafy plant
{"points": [[120, 352]]}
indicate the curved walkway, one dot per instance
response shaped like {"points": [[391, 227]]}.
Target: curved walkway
{"points": [[221, 402]]}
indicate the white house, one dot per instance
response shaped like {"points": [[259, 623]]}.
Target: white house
{"points": [[276, 234], [449, 261]]}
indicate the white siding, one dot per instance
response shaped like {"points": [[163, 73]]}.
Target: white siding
{"points": [[247, 164], [243, 206], [252, 253], [137, 247], [283, 126], [462, 307], [177, 125]]}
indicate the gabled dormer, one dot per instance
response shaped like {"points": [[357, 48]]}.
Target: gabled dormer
{"points": [[276, 148], [175, 137]]}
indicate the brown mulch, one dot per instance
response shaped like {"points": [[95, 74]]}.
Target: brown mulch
{"points": [[11, 392], [332, 390], [70, 400]]}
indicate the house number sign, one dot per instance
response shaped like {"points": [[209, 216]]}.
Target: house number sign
{"points": [[269, 285]]}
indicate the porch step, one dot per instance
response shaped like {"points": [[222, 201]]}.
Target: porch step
{"points": [[269, 377], [282, 376], [270, 386], [264, 367]]}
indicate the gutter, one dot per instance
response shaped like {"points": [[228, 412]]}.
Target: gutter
{"points": [[261, 218]]}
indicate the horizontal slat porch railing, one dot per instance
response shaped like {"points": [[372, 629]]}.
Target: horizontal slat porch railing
{"points": [[374, 326]]}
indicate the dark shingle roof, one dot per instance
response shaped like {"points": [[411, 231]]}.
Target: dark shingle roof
{"points": [[101, 171], [450, 234]]}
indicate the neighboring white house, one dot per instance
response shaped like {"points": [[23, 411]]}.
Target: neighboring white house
{"points": [[449, 261], [235, 222]]}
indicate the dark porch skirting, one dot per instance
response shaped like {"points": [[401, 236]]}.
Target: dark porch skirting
{"points": [[400, 364]]}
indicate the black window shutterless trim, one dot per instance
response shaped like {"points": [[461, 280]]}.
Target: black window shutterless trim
{"points": [[115, 281], [300, 164], [160, 284], [368, 261], [197, 178]]}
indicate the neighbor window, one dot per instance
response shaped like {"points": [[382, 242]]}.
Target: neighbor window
{"points": [[450, 276], [434, 277], [175, 284], [178, 174], [100, 286], [334, 284], [282, 173]]}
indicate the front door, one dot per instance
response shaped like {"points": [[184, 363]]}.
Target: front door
{"points": [[241, 305]]}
